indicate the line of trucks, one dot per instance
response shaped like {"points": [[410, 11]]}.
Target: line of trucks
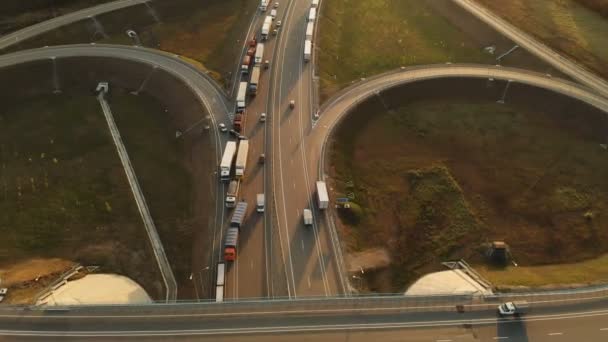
{"points": [[310, 29]]}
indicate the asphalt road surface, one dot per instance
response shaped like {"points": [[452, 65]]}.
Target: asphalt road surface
{"points": [[586, 322]]}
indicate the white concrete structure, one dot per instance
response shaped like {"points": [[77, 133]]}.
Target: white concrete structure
{"points": [[446, 283], [98, 289]]}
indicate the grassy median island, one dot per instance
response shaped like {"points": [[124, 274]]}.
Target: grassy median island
{"points": [[65, 197], [435, 180], [64, 193], [576, 28], [360, 38]]}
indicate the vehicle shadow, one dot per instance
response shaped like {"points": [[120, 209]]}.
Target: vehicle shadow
{"points": [[513, 328]]}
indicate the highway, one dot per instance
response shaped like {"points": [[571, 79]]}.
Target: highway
{"points": [[52, 24], [562, 323]]}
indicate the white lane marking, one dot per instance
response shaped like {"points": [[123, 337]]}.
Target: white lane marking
{"points": [[500, 337], [555, 334], [443, 340], [309, 284], [252, 265], [302, 243], [604, 329], [294, 185]]}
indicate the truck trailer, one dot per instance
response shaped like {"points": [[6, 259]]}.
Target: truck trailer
{"points": [[241, 97], [307, 50], [263, 5], [232, 234], [227, 159], [315, 3], [312, 15], [322, 197], [310, 30], [254, 80], [259, 53], [266, 27], [232, 194], [241, 159]]}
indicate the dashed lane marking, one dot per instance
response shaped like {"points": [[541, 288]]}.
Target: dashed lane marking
{"points": [[555, 334]]}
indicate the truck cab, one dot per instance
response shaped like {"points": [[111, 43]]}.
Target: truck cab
{"points": [[513, 308]]}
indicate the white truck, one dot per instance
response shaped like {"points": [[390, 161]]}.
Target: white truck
{"points": [[232, 194], [241, 159], [516, 308], [259, 53], [254, 80], [322, 196], [259, 203], [315, 3], [241, 97], [307, 217], [312, 14], [263, 5], [219, 284], [307, 50], [227, 159], [266, 27], [310, 30]]}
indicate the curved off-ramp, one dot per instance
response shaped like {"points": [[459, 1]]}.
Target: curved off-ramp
{"points": [[70, 18], [205, 90]]}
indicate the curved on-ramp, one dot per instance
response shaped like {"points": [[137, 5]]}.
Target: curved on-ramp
{"points": [[70, 18], [341, 104], [205, 89], [338, 106]]}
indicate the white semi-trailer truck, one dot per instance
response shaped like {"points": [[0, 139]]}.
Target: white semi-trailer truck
{"points": [[322, 196], [254, 80], [307, 50], [266, 27], [241, 159], [241, 97], [227, 159]]}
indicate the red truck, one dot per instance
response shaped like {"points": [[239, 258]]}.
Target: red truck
{"points": [[251, 51], [253, 42], [232, 234], [238, 122]]}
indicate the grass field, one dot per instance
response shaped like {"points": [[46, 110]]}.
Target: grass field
{"points": [[17, 14], [353, 44], [64, 193], [565, 25], [204, 31], [436, 179]]}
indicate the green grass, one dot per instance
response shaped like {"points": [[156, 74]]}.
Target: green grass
{"points": [[206, 32], [63, 190], [353, 44], [587, 272], [437, 179]]}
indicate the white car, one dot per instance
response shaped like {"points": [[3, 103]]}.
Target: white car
{"points": [[276, 5], [278, 24], [263, 117], [223, 128], [3, 291], [273, 14]]}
